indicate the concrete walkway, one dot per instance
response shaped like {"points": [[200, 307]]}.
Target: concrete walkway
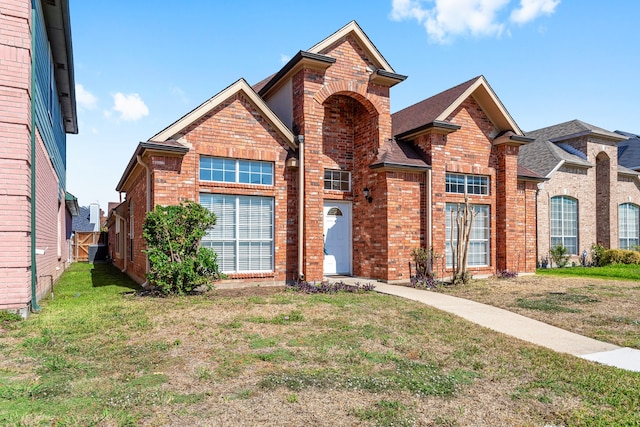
{"points": [[518, 326]]}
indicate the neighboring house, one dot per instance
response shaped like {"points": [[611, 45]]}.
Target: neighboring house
{"points": [[590, 197], [38, 109], [310, 175], [629, 151], [90, 218]]}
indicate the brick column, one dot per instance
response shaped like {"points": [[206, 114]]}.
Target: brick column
{"points": [[510, 211]]}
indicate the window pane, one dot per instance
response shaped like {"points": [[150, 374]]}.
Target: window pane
{"points": [[479, 239], [564, 223], [236, 171], [337, 180]]}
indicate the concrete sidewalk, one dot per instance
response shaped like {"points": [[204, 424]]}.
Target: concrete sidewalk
{"points": [[518, 326]]}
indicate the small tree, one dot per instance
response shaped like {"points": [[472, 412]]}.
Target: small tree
{"points": [[560, 255], [178, 264], [462, 219]]}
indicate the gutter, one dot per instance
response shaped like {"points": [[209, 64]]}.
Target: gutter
{"points": [[34, 274]]}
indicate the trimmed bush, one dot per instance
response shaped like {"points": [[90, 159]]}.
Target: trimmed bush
{"points": [[620, 256], [178, 265]]}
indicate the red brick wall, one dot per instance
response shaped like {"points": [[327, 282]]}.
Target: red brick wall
{"points": [[344, 119], [235, 129]]}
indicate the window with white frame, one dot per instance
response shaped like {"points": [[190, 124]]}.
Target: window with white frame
{"points": [[628, 228], [564, 223], [243, 234], [467, 184], [236, 171], [337, 180], [479, 253]]}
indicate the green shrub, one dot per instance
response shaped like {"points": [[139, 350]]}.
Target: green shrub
{"points": [[177, 263], [620, 256], [559, 255], [597, 252]]}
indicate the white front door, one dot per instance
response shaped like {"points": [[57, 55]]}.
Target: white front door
{"points": [[337, 237]]}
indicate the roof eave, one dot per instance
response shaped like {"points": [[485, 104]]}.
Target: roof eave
{"points": [[386, 78], [399, 166], [58, 24], [589, 132], [300, 60], [140, 150], [435, 126]]}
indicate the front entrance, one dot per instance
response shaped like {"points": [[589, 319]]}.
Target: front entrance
{"points": [[337, 238]]}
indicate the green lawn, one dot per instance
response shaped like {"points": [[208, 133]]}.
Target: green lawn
{"points": [[98, 355], [617, 271]]}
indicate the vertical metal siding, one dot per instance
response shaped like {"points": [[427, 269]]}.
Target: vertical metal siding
{"points": [[48, 117]]}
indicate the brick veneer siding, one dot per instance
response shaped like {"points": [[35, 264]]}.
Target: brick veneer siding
{"points": [[15, 156], [468, 150], [344, 119], [595, 190], [50, 224]]}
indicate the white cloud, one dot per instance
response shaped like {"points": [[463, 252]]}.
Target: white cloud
{"points": [[84, 98], [446, 19], [531, 9], [284, 58], [131, 107]]}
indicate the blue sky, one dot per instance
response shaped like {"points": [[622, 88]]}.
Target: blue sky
{"points": [[139, 66]]}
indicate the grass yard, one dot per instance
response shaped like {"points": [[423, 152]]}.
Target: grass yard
{"points": [[599, 302], [99, 355]]}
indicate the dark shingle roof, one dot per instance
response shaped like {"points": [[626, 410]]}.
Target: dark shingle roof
{"points": [[548, 149], [629, 151], [428, 110], [571, 129], [400, 154], [526, 173]]}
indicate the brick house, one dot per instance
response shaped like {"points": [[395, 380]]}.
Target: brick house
{"points": [[589, 197], [310, 174], [37, 110]]}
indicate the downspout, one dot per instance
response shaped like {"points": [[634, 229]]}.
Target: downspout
{"points": [[34, 274], [141, 163], [429, 212], [301, 208]]}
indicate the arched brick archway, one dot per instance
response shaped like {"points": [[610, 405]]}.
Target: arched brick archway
{"points": [[352, 89]]}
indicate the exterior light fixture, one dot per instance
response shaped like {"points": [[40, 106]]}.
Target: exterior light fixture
{"points": [[367, 195]]}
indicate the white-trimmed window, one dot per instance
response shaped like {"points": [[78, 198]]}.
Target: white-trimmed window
{"points": [[479, 253], [467, 184], [337, 180], [236, 171], [243, 234], [564, 223], [628, 229]]}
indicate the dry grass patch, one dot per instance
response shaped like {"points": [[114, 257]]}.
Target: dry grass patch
{"points": [[267, 357], [608, 310]]}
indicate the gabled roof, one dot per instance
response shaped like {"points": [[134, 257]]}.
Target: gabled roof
{"points": [[439, 107], [629, 151], [550, 151], [573, 129], [169, 146], [399, 154], [240, 86], [354, 29]]}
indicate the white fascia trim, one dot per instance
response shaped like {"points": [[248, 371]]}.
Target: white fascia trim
{"points": [[494, 98], [353, 27], [204, 108]]}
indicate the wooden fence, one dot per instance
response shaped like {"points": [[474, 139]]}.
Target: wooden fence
{"points": [[81, 242]]}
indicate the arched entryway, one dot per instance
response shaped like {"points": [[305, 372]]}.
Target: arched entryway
{"points": [[350, 140]]}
